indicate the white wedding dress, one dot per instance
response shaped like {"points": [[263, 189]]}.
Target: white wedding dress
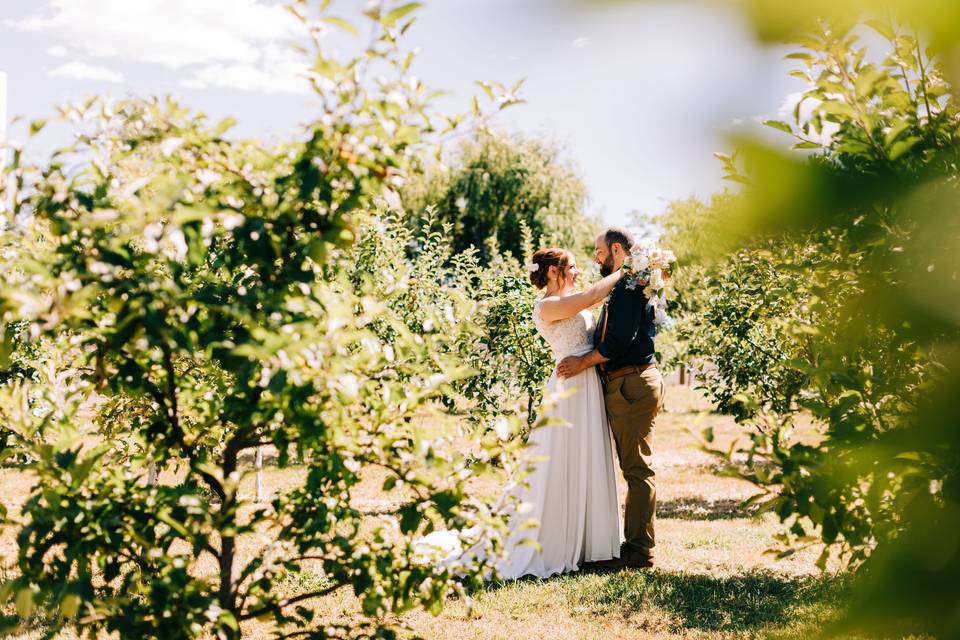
{"points": [[573, 492]]}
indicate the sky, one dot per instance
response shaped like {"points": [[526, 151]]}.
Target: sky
{"points": [[639, 95]]}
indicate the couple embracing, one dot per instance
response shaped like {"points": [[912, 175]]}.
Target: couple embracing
{"points": [[608, 369]]}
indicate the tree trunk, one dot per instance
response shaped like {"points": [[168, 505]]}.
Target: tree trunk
{"points": [[228, 514], [259, 466]]}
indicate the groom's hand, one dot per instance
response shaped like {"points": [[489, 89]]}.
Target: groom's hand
{"points": [[570, 366]]}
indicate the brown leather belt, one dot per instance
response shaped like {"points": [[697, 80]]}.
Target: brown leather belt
{"points": [[625, 371]]}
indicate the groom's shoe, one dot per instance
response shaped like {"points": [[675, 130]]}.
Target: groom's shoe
{"points": [[630, 558], [635, 559]]}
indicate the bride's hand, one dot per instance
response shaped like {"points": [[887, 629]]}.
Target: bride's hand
{"points": [[569, 367]]}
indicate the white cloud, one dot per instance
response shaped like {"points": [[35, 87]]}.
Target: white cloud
{"points": [[280, 70], [84, 71], [172, 33], [245, 77], [241, 44], [580, 42]]}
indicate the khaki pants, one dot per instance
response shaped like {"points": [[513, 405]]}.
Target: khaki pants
{"points": [[633, 402]]}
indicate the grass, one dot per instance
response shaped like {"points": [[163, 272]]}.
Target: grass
{"points": [[740, 603], [713, 580]]}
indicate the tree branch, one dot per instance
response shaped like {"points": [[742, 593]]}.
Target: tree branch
{"points": [[289, 601]]}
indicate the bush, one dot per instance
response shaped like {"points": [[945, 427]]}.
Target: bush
{"points": [[498, 185]]}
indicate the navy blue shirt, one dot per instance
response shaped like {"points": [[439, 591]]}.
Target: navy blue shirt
{"points": [[625, 331]]}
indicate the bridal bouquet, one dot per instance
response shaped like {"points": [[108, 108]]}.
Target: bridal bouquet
{"points": [[649, 266]]}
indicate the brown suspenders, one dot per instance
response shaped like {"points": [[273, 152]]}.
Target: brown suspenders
{"points": [[603, 332]]}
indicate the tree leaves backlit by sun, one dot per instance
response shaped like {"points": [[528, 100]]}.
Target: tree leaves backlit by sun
{"points": [[840, 272], [190, 286]]}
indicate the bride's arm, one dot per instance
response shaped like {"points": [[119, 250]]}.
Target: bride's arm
{"points": [[568, 306]]}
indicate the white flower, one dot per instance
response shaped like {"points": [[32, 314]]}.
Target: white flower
{"points": [[232, 220], [178, 244], [349, 385], [100, 268], [441, 547], [656, 278], [640, 261], [168, 146], [660, 316], [532, 267], [392, 199], [151, 233], [502, 427], [461, 204], [206, 228], [206, 177]]}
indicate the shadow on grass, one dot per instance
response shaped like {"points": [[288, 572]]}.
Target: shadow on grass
{"points": [[741, 603], [703, 509]]}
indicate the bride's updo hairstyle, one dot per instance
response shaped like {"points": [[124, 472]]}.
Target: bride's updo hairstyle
{"points": [[543, 260]]}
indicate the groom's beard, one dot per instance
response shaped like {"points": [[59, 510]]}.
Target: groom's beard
{"points": [[607, 267]]}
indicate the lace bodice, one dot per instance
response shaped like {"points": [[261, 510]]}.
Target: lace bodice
{"points": [[566, 337]]}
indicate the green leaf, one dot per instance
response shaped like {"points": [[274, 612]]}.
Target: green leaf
{"points": [[779, 125], [822, 560], [882, 28], [410, 517], [69, 605], [837, 108], [24, 602], [371, 604], [486, 89], [342, 24], [808, 43], [867, 80], [37, 126], [391, 18], [227, 619], [895, 130], [900, 148], [223, 126]]}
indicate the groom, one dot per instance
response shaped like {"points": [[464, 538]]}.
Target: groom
{"points": [[633, 395]]}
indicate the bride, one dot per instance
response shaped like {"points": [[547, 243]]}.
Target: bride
{"points": [[572, 492]]}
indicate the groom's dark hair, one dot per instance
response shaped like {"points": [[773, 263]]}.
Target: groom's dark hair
{"points": [[615, 235]]}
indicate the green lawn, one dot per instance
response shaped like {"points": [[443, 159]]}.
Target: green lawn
{"points": [[713, 579]]}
